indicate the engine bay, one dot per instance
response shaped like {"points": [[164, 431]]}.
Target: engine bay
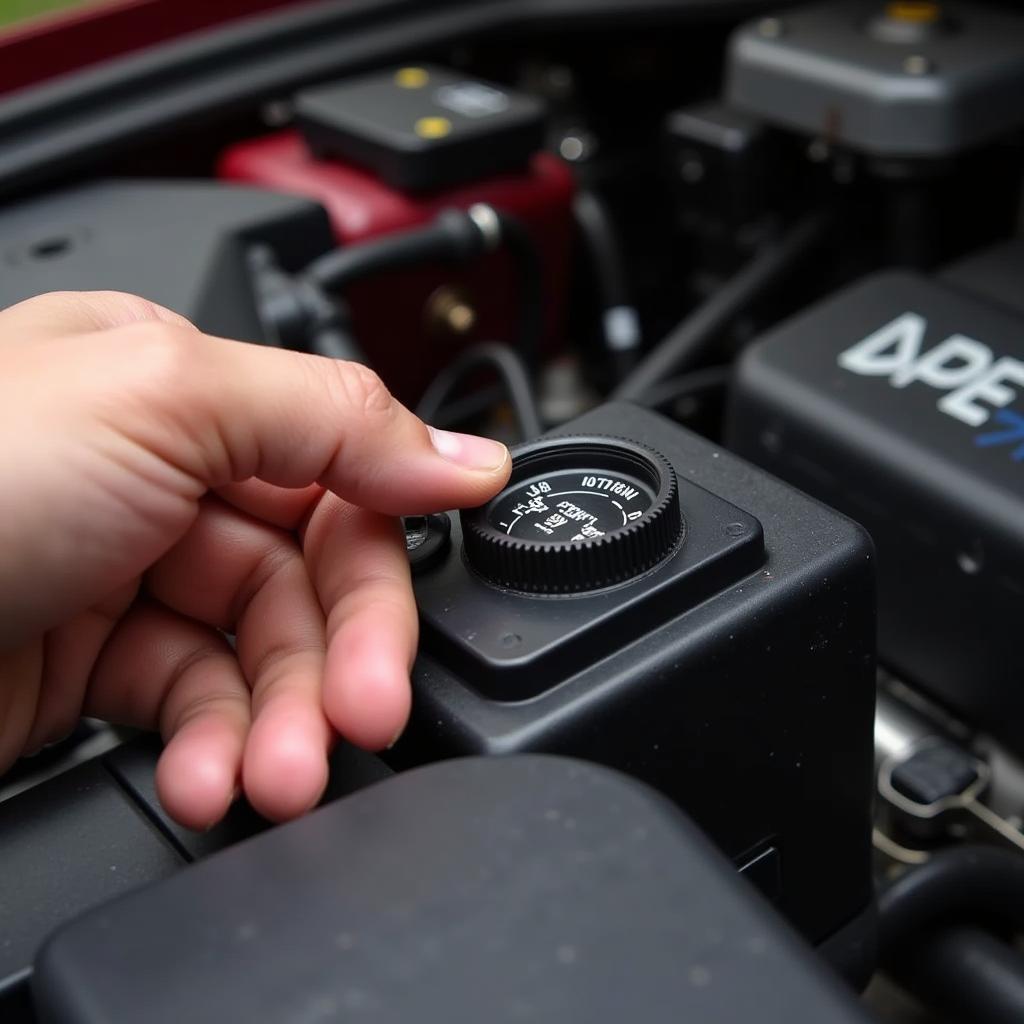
{"points": [[740, 284]]}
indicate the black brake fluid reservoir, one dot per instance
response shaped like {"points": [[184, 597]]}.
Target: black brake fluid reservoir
{"points": [[639, 597]]}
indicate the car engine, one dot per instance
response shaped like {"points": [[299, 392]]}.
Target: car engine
{"points": [[723, 687]]}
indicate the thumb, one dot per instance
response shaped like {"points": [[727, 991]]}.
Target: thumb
{"points": [[293, 419], [225, 411]]}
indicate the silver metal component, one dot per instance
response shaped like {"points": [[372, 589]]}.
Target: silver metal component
{"points": [[894, 851], [902, 730], [488, 223], [416, 531], [622, 328], [898, 728], [450, 312], [576, 145]]}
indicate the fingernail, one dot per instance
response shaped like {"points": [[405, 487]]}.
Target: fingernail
{"points": [[468, 450], [395, 738]]}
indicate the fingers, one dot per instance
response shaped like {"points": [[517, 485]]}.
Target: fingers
{"points": [[360, 569], [20, 675], [225, 411], [140, 420], [160, 670], [71, 652], [239, 574], [284, 507]]}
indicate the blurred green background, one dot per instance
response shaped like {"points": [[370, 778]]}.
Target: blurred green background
{"points": [[12, 11]]}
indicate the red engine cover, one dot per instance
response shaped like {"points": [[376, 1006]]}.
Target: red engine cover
{"points": [[390, 312]]}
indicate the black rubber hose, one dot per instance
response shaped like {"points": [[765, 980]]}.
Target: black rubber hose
{"points": [[960, 884], [520, 247], [620, 320], [690, 341], [595, 224], [966, 974], [451, 237], [509, 367]]}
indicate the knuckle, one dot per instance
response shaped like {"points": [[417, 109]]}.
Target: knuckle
{"points": [[364, 391], [162, 353]]}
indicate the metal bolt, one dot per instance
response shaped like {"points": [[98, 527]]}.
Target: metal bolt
{"points": [[917, 64], [770, 28], [577, 145], [416, 531], [449, 311]]}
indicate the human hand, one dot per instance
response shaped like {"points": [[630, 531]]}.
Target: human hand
{"points": [[159, 488]]}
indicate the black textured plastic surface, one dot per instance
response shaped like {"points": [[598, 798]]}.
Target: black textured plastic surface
{"points": [[134, 767], [422, 127], [181, 244], [498, 889], [748, 700], [994, 274], [826, 70], [69, 844], [943, 499], [513, 646]]}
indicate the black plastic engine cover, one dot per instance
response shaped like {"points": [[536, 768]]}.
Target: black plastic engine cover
{"points": [[507, 890], [181, 244], [899, 402], [748, 699]]}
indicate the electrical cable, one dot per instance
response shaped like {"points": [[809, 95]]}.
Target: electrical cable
{"points": [[509, 367], [620, 321], [696, 382], [519, 244], [687, 343]]}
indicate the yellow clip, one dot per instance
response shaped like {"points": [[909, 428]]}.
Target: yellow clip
{"points": [[921, 12], [433, 127], [411, 78]]}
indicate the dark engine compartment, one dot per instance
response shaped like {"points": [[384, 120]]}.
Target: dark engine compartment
{"points": [[775, 254]]}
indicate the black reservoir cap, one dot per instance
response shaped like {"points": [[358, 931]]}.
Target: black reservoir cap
{"points": [[422, 127]]}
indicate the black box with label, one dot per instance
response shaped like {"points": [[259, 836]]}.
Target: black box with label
{"points": [[900, 402], [737, 676], [422, 127]]}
